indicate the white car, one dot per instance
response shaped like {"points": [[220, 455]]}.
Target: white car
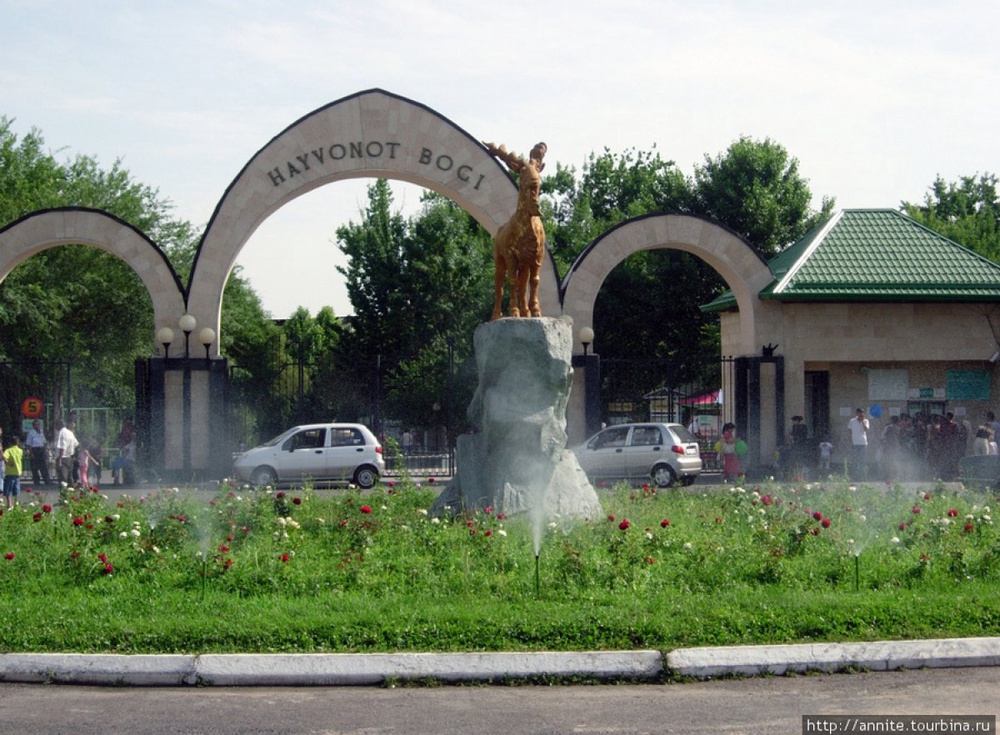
{"points": [[663, 453], [344, 453]]}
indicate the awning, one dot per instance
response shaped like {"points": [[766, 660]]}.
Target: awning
{"points": [[712, 398]]}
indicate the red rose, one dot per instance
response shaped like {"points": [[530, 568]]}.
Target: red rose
{"points": [[77, 521], [9, 555], [284, 557], [952, 512], [366, 509], [108, 569], [825, 523], [818, 516], [916, 510], [223, 548], [297, 501], [624, 524], [664, 523], [46, 508]]}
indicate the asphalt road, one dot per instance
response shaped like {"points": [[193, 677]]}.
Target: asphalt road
{"points": [[749, 707]]}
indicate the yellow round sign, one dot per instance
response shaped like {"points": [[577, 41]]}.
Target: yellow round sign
{"points": [[32, 407]]}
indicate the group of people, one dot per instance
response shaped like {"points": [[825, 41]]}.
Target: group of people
{"points": [[922, 446], [75, 460]]}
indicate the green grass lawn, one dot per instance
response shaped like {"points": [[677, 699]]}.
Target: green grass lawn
{"points": [[307, 571]]}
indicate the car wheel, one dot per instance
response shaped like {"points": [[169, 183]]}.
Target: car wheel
{"points": [[663, 475], [264, 476], [365, 477]]}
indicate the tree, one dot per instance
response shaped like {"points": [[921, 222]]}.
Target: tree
{"points": [[755, 189], [418, 288], [966, 211]]}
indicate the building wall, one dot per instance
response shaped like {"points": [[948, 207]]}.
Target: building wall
{"points": [[859, 345]]}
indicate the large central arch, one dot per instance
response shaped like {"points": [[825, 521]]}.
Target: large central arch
{"points": [[371, 134]]}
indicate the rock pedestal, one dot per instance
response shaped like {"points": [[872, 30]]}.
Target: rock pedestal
{"points": [[515, 460]]}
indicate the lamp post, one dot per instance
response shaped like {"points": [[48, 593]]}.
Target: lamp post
{"points": [[206, 336], [591, 364], [586, 336], [165, 335], [187, 323]]}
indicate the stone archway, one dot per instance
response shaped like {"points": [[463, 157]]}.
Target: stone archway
{"points": [[744, 270], [49, 228], [371, 134]]}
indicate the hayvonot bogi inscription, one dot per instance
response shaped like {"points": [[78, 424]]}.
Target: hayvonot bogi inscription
{"points": [[520, 243]]}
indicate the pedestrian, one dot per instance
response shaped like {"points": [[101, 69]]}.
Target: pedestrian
{"points": [[798, 438], [13, 458], [38, 452], [858, 428], [124, 462], [66, 444], [728, 449], [890, 449], [84, 460], [825, 453]]}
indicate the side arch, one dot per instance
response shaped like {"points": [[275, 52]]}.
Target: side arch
{"points": [[371, 134], [741, 266], [49, 228]]}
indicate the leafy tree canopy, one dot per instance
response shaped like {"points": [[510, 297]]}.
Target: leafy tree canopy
{"points": [[966, 211]]}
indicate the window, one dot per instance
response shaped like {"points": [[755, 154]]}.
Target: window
{"points": [[346, 438], [646, 436]]}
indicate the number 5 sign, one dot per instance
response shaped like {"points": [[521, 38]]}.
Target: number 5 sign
{"points": [[32, 408]]}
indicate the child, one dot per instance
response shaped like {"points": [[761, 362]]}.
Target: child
{"points": [[84, 459], [728, 449], [825, 453], [13, 458]]}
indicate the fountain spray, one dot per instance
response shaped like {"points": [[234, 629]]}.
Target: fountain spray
{"points": [[536, 575]]}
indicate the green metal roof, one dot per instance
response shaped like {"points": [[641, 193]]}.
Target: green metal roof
{"points": [[876, 255]]}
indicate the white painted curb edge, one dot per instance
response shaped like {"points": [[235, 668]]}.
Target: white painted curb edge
{"points": [[322, 669], [347, 669], [830, 657]]}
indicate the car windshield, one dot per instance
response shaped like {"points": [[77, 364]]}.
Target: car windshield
{"points": [[280, 437]]}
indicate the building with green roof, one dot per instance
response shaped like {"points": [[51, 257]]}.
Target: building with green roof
{"points": [[874, 310]]}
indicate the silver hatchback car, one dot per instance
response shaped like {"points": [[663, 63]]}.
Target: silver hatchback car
{"points": [[319, 452], [662, 453]]}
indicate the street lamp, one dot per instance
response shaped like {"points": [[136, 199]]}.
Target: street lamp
{"points": [[586, 336], [165, 336], [591, 364], [187, 323], [206, 336]]}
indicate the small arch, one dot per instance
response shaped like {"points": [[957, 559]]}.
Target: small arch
{"points": [[741, 266], [49, 228]]}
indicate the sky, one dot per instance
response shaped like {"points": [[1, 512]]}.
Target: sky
{"points": [[874, 99]]}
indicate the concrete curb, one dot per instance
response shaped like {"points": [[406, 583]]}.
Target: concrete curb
{"points": [[335, 669], [349, 669], [832, 657]]}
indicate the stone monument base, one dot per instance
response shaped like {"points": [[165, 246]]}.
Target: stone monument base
{"points": [[515, 461]]}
